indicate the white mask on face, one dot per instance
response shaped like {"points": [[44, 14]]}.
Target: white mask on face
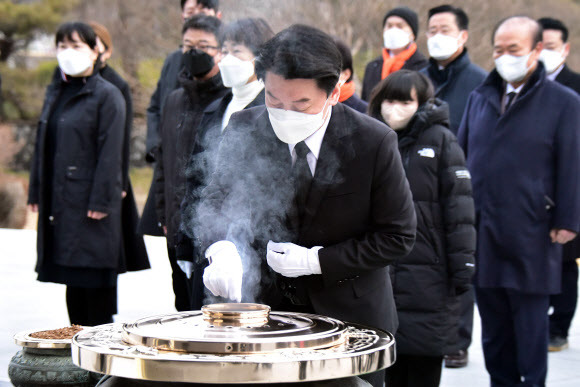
{"points": [[512, 68], [73, 62], [442, 47], [234, 71], [292, 127], [397, 114], [396, 38], [552, 59]]}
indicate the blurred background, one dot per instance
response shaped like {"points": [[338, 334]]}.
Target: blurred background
{"points": [[145, 31]]}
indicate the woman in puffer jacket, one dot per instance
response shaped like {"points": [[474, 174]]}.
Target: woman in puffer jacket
{"points": [[440, 266]]}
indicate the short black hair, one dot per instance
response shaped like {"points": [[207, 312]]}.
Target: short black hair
{"points": [[85, 32], [301, 51], [549, 23], [209, 4], [251, 32], [204, 23], [346, 56], [537, 33], [398, 87], [461, 18]]}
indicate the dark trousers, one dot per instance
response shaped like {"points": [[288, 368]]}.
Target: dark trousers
{"points": [[415, 371], [565, 303], [514, 330], [181, 285], [465, 323], [91, 306]]}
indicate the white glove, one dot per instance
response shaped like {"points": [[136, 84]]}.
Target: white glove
{"points": [[223, 276], [292, 260]]}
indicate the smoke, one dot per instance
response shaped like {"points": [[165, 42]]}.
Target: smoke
{"points": [[242, 192]]}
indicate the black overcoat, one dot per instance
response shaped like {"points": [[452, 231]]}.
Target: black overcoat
{"points": [[86, 176]]}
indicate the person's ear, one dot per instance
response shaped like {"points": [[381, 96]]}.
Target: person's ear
{"points": [[335, 95], [463, 36], [566, 50]]}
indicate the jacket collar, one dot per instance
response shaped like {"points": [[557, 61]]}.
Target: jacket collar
{"points": [[493, 86], [442, 77]]}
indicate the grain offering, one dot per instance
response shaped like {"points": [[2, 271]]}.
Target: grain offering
{"points": [[58, 334]]}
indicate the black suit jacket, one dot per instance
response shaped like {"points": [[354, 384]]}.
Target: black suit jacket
{"points": [[571, 79], [359, 209]]}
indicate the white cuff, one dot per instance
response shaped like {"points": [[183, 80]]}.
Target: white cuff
{"points": [[186, 267], [219, 246], [313, 260]]}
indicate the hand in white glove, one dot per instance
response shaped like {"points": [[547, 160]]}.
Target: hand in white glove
{"points": [[292, 260], [223, 276]]}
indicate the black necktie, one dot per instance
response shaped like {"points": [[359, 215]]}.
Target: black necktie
{"points": [[302, 177], [510, 99]]}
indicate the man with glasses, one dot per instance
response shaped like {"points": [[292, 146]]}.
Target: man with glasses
{"points": [[454, 76], [167, 83], [201, 84]]}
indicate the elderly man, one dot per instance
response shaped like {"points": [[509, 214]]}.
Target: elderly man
{"points": [[520, 133]]}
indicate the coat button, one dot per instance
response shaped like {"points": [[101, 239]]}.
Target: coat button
{"points": [[51, 218]]}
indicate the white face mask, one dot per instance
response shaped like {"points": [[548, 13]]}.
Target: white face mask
{"points": [[552, 59], [292, 127], [73, 62], [442, 47], [396, 38], [234, 71], [512, 68], [397, 114]]}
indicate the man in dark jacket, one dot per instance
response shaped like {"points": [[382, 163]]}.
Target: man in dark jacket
{"points": [[454, 78], [348, 94], [168, 81], [201, 84], [520, 133], [278, 233], [400, 28], [556, 49]]}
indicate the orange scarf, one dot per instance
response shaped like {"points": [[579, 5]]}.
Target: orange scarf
{"points": [[346, 91], [395, 63]]}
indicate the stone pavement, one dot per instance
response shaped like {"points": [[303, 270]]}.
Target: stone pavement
{"points": [[28, 304]]}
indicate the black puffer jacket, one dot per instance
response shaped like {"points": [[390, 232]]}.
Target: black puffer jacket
{"points": [[441, 264]]}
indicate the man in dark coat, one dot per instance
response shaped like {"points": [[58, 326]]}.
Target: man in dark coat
{"points": [[201, 84], [348, 94], [521, 137], [168, 81], [454, 78], [554, 54], [400, 50], [276, 232]]}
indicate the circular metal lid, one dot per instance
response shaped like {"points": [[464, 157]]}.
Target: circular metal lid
{"points": [[234, 329], [102, 349], [24, 339]]}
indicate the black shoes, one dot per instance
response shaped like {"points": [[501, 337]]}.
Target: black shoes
{"points": [[457, 360], [557, 343]]}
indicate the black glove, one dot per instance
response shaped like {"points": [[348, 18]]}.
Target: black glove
{"points": [[197, 62]]}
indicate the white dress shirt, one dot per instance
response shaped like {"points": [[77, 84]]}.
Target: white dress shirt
{"points": [[552, 77], [314, 143]]}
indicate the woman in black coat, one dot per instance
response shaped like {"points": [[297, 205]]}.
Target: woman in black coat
{"points": [[76, 180], [134, 255], [439, 268]]}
